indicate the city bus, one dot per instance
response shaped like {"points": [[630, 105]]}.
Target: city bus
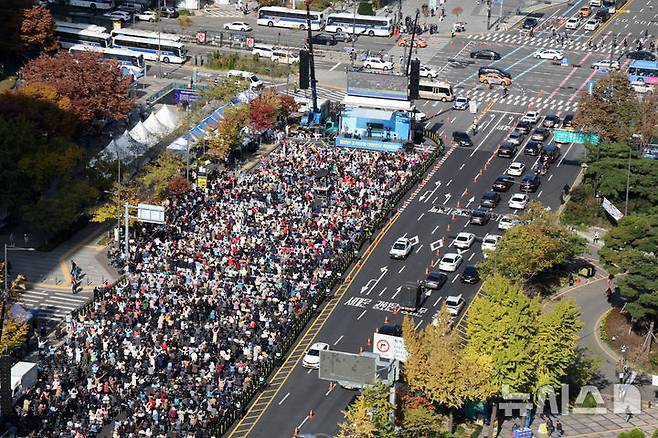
{"points": [[643, 71], [169, 51], [68, 37], [92, 4], [292, 18], [79, 26], [359, 24], [130, 62], [138, 33]]}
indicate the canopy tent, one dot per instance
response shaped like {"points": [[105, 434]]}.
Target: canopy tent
{"points": [[140, 134], [168, 117], [125, 148], [180, 146], [155, 127], [247, 96]]}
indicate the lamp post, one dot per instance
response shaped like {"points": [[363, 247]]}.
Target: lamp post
{"points": [[628, 181]]}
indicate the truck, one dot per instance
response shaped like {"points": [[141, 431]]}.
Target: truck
{"points": [[318, 124], [409, 297], [23, 377]]}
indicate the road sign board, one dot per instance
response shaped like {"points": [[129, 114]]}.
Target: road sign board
{"points": [[390, 347], [347, 367], [472, 106], [567, 136], [565, 61], [250, 42], [151, 213]]}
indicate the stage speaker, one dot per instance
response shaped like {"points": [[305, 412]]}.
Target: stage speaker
{"points": [[304, 70], [414, 78]]}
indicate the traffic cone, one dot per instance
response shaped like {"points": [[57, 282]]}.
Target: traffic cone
{"points": [[386, 321], [369, 343], [296, 432], [331, 386], [438, 254], [427, 271], [395, 311], [459, 204], [454, 216], [449, 227], [360, 350], [311, 415]]}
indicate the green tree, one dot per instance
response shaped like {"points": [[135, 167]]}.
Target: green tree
{"points": [[419, 418], [14, 332], [633, 433], [229, 132], [611, 110], [153, 182], [368, 416], [225, 90]]}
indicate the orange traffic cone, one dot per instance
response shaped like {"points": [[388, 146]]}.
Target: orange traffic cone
{"points": [[331, 386], [360, 350], [438, 254], [369, 343], [459, 204], [311, 415], [449, 227], [296, 432], [395, 311], [386, 321], [454, 216]]}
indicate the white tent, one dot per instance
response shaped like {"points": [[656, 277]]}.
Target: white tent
{"points": [[125, 148], [167, 117], [179, 146], [155, 127], [141, 135]]}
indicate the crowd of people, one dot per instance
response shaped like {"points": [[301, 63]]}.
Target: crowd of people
{"points": [[207, 299]]}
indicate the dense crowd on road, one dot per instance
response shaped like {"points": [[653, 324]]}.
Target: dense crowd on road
{"points": [[207, 298]]}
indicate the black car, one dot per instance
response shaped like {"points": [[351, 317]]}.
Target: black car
{"points": [[324, 39], [568, 121], [435, 280], [470, 275], [602, 15], [532, 148], [485, 54], [530, 23], [524, 126], [540, 134], [549, 153], [530, 183], [462, 139], [480, 216], [490, 199], [168, 12], [641, 55], [551, 121], [506, 150], [502, 183]]}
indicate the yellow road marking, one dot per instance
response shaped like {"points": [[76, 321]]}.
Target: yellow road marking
{"points": [[328, 311], [598, 31]]}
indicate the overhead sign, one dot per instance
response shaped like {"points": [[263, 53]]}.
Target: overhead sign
{"points": [[610, 208], [347, 367], [154, 214], [390, 347], [567, 136]]}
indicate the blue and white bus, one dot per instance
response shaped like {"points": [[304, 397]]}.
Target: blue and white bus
{"points": [[139, 33], [68, 37], [80, 26], [291, 18], [643, 71], [131, 63], [359, 24], [169, 51], [92, 4]]}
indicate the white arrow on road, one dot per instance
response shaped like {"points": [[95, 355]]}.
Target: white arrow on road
{"points": [[436, 244], [374, 281], [448, 196], [470, 201], [397, 291], [437, 184]]}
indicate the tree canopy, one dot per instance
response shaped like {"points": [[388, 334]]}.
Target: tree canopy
{"points": [[368, 415]]}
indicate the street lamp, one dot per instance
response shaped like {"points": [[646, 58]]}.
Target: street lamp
{"points": [[628, 181]]}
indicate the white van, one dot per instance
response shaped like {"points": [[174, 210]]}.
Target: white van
{"points": [[254, 82], [285, 57], [262, 50], [595, 3], [436, 91]]}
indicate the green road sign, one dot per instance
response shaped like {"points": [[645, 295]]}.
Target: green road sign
{"points": [[566, 136]]}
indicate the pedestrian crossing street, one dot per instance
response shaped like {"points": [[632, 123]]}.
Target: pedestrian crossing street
{"points": [[223, 12], [51, 305], [548, 42]]}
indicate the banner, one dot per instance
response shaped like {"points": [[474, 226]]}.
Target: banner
{"points": [[610, 208]]}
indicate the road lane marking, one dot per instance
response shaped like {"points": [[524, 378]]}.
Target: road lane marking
{"points": [[471, 257], [335, 66], [402, 269], [540, 192], [449, 182], [455, 279], [550, 177], [382, 292], [419, 248], [418, 325], [309, 371], [462, 166], [564, 156], [302, 423], [335, 343], [433, 231], [421, 216], [488, 134], [362, 313], [437, 301], [287, 395], [396, 293]]}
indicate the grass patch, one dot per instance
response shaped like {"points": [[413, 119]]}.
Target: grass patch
{"points": [[233, 61], [7, 83], [583, 209]]}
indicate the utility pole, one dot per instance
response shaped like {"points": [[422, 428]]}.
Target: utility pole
{"points": [[314, 91], [159, 48], [488, 14], [628, 181], [411, 46]]}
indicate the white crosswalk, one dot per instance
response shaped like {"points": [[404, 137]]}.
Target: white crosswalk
{"points": [[323, 93], [222, 13], [51, 305], [547, 103], [518, 39]]}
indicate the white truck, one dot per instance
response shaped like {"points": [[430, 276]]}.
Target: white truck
{"points": [[23, 377]]}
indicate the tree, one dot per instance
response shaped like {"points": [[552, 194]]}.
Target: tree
{"points": [[287, 106], [611, 110], [368, 416], [225, 90], [229, 132], [437, 368], [633, 433], [178, 185], [14, 331], [648, 118], [419, 418], [264, 111], [96, 88], [38, 29], [153, 183], [110, 210], [530, 248], [184, 22], [11, 17]]}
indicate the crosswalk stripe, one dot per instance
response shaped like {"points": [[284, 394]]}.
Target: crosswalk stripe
{"points": [[79, 300]]}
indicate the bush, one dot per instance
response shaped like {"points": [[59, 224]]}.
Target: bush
{"points": [[633, 433], [365, 8], [654, 434], [233, 61], [184, 12], [7, 83]]}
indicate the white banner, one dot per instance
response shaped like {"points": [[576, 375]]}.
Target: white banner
{"points": [[611, 209], [390, 347]]}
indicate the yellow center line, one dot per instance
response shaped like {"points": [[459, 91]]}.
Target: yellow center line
{"points": [[610, 21]]}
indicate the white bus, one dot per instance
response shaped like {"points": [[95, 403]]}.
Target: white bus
{"points": [[69, 37], [79, 26], [170, 51], [435, 91], [359, 24], [130, 62], [292, 18], [92, 4], [138, 33]]}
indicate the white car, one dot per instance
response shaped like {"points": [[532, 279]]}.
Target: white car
{"points": [[450, 262], [428, 72], [506, 222], [377, 64], [518, 201], [553, 54], [151, 16], [419, 116], [641, 87], [401, 248], [531, 117], [516, 169], [592, 24], [455, 304], [312, 357], [464, 240], [489, 243], [572, 23], [122, 16], [606, 64], [237, 25]]}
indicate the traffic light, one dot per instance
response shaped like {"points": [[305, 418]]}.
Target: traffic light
{"points": [[304, 70], [414, 78]]}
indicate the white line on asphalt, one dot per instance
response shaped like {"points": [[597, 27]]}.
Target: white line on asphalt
{"points": [[421, 216], [402, 269], [435, 199], [335, 66], [435, 228], [565, 155], [449, 182], [465, 224], [462, 166], [382, 292], [471, 257], [437, 301], [396, 293], [489, 133], [418, 325], [455, 279], [418, 250], [302, 423], [540, 192], [332, 385], [362, 313], [286, 396], [309, 371], [336, 343], [550, 177]]}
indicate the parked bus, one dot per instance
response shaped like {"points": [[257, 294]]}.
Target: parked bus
{"points": [[130, 62], [80, 26], [169, 51], [435, 91], [68, 37], [138, 33], [643, 71], [92, 4], [292, 18], [359, 24]]}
